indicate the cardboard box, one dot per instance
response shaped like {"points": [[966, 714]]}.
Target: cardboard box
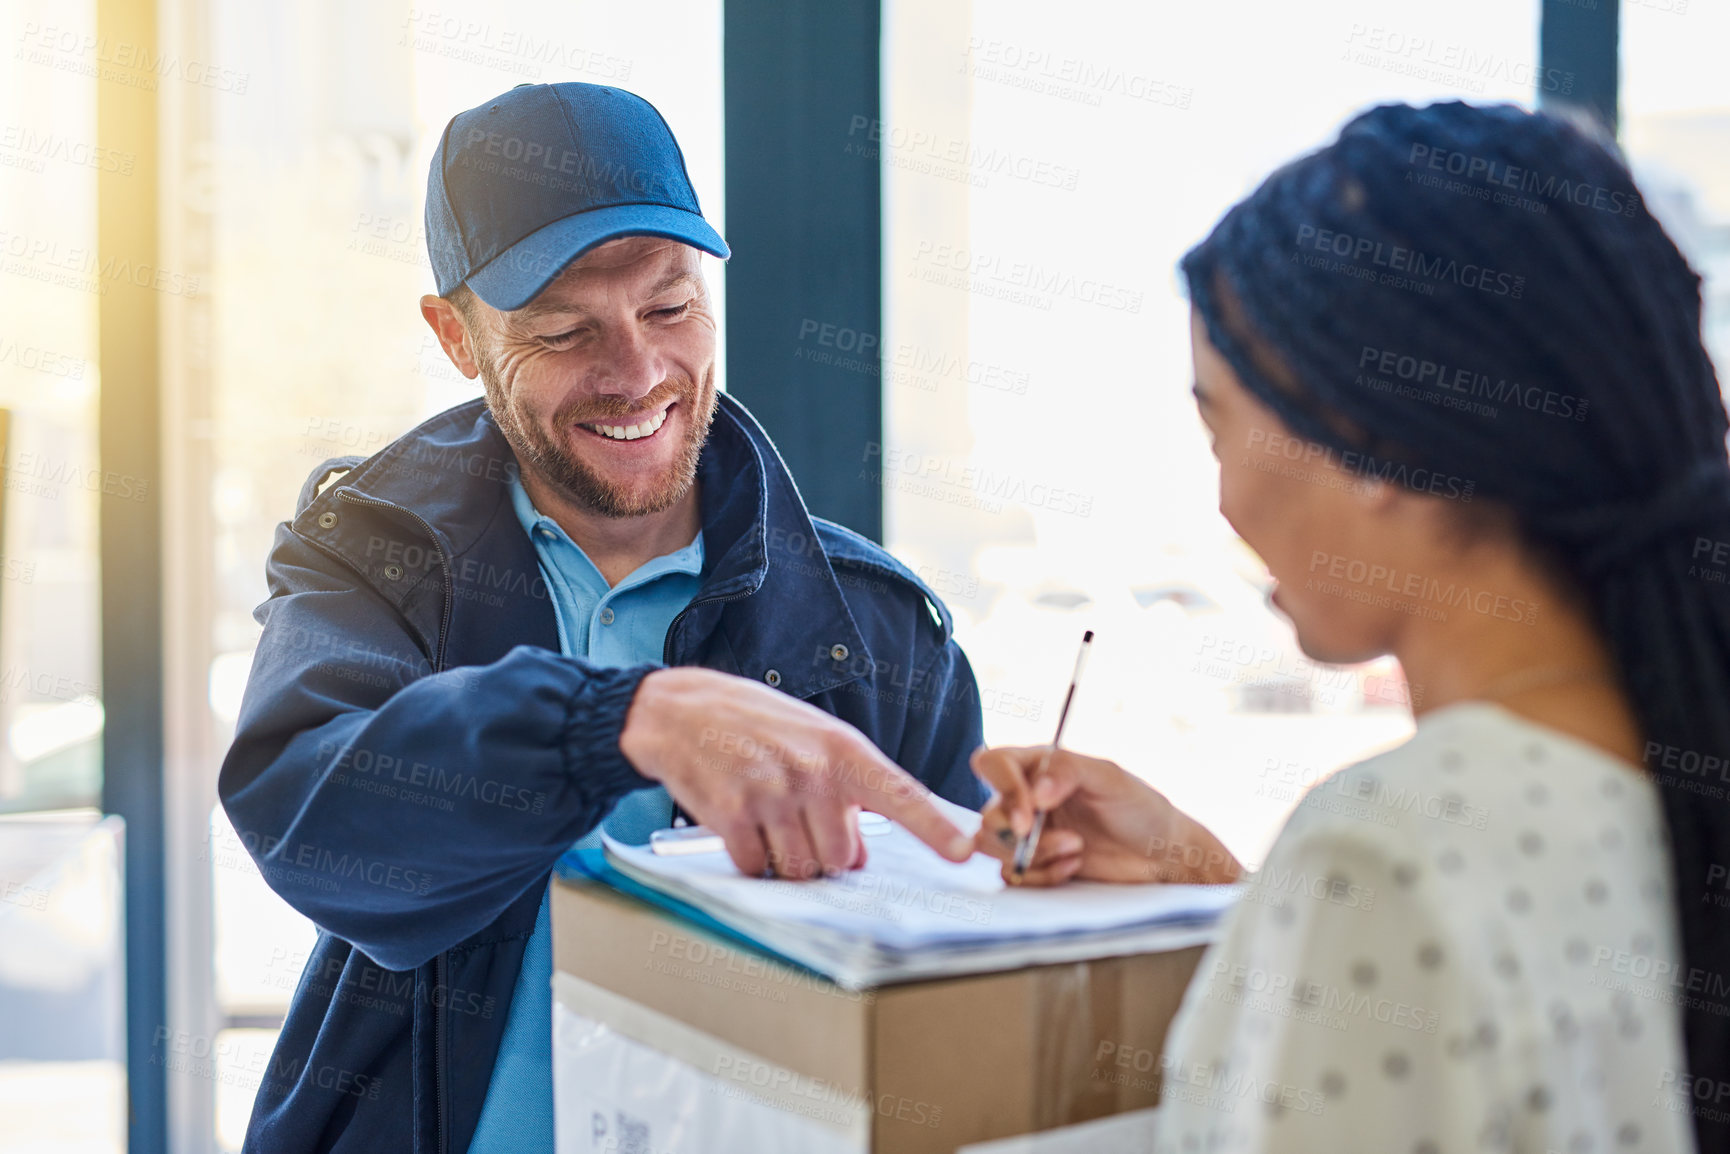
{"points": [[720, 1037]]}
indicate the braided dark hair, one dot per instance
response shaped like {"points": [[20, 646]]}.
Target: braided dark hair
{"points": [[1480, 292]]}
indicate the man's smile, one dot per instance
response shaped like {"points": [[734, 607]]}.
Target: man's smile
{"points": [[631, 428]]}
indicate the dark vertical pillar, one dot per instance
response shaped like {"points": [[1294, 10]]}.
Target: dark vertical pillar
{"points": [[130, 535], [803, 218], [1579, 50]]}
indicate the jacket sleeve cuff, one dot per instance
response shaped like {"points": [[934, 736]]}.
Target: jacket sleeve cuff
{"points": [[592, 755]]}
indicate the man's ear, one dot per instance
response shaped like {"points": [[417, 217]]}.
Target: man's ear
{"points": [[447, 325]]}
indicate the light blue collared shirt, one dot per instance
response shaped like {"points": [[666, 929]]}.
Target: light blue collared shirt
{"points": [[624, 624]]}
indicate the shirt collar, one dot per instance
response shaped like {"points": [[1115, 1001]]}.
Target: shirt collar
{"points": [[542, 529]]}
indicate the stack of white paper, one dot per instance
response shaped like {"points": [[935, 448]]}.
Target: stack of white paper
{"points": [[910, 914]]}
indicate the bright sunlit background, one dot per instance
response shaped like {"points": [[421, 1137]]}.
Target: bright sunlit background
{"points": [[1044, 167]]}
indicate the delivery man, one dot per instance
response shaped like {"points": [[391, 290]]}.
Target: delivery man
{"points": [[593, 595]]}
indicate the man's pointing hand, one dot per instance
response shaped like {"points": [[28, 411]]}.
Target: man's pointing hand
{"points": [[781, 781]]}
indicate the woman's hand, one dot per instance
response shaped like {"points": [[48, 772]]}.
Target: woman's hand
{"points": [[1101, 823]]}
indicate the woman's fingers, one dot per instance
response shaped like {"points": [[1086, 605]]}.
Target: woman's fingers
{"points": [[995, 837], [1051, 872], [1006, 770], [1039, 777], [1057, 846], [1056, 843], [1062, 774]]}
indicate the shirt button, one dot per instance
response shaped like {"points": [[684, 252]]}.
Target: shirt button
{"points": [[773, 677], [606, 616], [839, 652]]}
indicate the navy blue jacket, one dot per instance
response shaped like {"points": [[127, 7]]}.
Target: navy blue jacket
{"points": [[413, 752]]}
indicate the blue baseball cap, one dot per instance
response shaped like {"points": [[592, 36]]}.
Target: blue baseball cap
{"points": [[531, 180]]}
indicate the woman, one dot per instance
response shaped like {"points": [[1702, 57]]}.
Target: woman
{"points": [[1479, 432]]}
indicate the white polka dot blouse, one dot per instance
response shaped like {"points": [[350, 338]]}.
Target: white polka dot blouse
{"points": [[1464, 944]]}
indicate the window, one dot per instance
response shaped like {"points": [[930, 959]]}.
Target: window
{"points": [[1676, 130], [50, 285], [1045, 167], [62, 1065]]}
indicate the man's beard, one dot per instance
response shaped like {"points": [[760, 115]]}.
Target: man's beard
{"points": [[560, 467]]}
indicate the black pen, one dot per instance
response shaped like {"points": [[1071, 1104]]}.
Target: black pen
{"points": [[1025, 849]]}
